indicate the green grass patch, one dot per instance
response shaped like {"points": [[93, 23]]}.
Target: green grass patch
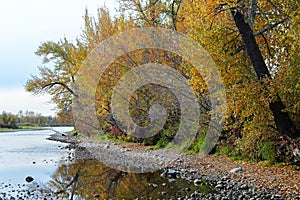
{"points": [[267, 152], [161, 143]]}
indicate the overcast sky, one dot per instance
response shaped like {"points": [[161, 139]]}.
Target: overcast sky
{"points": [[23, 26]]}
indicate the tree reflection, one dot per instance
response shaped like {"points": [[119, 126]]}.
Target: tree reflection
{"points": [[90, 179]]}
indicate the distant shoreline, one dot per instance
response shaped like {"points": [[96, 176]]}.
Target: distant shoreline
{"points": [[24, 129]]}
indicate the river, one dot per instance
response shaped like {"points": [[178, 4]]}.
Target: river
{"points": [[29, 153], [58, 176]]}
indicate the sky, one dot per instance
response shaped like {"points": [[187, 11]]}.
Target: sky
{"points": [[24, 25]]}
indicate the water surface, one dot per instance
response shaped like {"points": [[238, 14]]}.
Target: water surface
{"points": [[29, 153]]}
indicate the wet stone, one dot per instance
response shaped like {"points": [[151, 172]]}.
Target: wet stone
{"points": [[29, 179]]}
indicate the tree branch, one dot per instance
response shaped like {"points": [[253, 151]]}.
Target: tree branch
{"points": [[175, 13], [269, 27], [50, 85], [252, 12]]}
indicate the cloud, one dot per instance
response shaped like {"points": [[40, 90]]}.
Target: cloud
{"points": [[15, 99]]}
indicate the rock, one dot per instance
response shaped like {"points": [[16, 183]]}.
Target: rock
{"points": [[225, 198], [224, 178], [244, 187], [296, 152], [277, 196], [171, 180], [29, 179], [184, 170], [164, 174], [219, 186], [197, 182], [195, 195], [172, 173], [235, 170]]}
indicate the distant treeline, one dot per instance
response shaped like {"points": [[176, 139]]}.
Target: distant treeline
{"points": [[29, 119]]}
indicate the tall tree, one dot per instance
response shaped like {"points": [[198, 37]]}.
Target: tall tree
{"points": [[282, 119], [250, 123], [58, 79], [163, 13]]}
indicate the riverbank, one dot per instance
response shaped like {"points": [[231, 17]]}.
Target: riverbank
{"points": [[24, 129], [230, 179]]}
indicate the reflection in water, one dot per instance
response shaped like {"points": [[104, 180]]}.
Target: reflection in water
{"points": [[90, 179]]}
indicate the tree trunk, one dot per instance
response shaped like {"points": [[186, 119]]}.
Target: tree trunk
{"points": [[283, 122]]}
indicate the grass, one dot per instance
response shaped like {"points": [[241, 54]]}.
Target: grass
{"points": [[295, 168], [75, 132], [29, 127], [5, 129], [161, 143], [267, 152], [21, 128]]}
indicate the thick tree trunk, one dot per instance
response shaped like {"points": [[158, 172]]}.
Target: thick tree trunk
{"points": [[283, 121]]}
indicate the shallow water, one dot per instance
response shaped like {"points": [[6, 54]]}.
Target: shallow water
{"points": [[28, 153], [90, 178]]}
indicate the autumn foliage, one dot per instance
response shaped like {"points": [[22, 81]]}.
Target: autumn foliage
{"points": [[250, 130]]}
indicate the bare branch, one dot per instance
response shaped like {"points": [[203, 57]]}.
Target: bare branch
{"points": [[269, 27], [252, 12], [175, 13], [241, 48], [50, 85], [269, 50]]}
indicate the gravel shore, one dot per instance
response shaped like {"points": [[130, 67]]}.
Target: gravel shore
{"points": [[229, 179]]}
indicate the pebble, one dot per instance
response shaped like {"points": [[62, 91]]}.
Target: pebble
{"points": [[29, 179], [197, 182], [235, 170], [244, 187], [220, 188]]}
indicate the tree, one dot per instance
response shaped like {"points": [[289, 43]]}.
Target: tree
{"points": [[255, 45], [282, 119], [4, 117], [160, 13], [59, 80], [8, 120], [250, 122], [64, 59]]}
